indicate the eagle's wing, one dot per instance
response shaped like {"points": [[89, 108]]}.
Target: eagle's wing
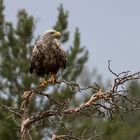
{"points": [[60, 54], [36, 55]]}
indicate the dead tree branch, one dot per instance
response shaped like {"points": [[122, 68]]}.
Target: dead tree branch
{"points": [[108, 98], [100, 103], [25, 106], [12, 110]]}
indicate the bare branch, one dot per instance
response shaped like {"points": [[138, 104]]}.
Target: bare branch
{"points": [[109, 61], [63, 137], [107, 97], [12, 110], [27, 122], [25, 106], [100, 104]]}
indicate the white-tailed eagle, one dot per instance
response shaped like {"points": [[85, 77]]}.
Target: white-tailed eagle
{"points": [[48, 56]]}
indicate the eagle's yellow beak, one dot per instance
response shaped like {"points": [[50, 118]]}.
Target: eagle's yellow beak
{"points": [[57, 35]]}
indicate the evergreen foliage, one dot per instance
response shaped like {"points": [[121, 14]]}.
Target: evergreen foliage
{"points": [[15, 50]]}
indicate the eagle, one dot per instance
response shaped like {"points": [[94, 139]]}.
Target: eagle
{"points": [[48, 56]]}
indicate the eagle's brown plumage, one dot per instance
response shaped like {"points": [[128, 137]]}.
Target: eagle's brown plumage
{"points": [[48, 55]]}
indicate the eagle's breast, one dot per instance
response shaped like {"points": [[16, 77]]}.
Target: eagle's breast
{"points": [[47, 57]]}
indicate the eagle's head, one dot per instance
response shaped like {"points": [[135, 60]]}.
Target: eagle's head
{"points": [[51, 34]]}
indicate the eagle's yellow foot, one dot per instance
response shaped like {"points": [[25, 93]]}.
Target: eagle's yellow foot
{"points": [[53, 79], [44, 83]]}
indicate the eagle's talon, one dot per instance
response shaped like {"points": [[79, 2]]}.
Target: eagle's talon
{"points": [[44, 83], [52, 79]]}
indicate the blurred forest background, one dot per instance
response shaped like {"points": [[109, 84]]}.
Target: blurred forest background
{"points": [[16, 43]]}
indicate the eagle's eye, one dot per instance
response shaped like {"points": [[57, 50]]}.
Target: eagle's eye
{"points": [[52, 33]]}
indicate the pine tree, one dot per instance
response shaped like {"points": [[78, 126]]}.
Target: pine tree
{"points": [[15, 47], [15, 50]]}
